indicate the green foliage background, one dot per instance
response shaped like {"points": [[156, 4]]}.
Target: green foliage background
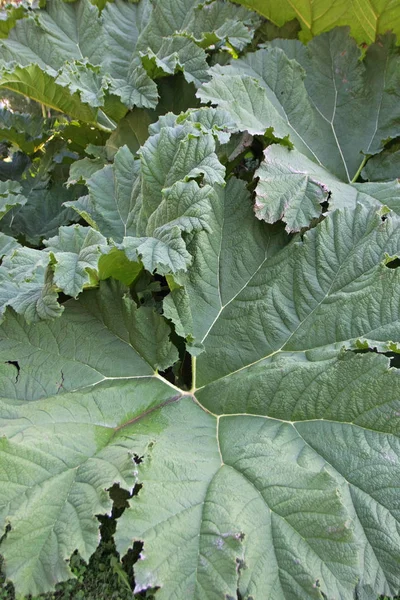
{"points": [[68, 147]]}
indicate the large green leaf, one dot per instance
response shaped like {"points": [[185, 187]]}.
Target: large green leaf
{"points": [[276, 476], [10, 196], [25, 130], [385, 166], [292, 188], [367, 19], [37, 84], [301, 300], [343, 109], [42, 214], [112, 195], [27, 286], [31, 279], [146, 205], [268, 469], [8, 18], [237, 244], [102, 395], [70, 57], [231, 522], [275, 360], [170, 37]]}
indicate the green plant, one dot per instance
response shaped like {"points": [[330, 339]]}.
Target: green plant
{"points": [[367, 18], [235, 373], [103, 577]]}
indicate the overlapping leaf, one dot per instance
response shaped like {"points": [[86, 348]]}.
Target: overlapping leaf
{"points": [[168, 206], [32, 81], [42, 213], [34, 59], [175, 26], [312, 399], [352, 95], [216, 21], [10, 196], [343, 109], [73, 59], [84, 449], [237, 244], [292, 188], [27, 286], [25, 130], [383, 167], [112, 196], [276, 476], [367, 19], [146, 205], [31, 279], [290, 472], [336, 112], [8, 18], [7, 243], [123, 23]]}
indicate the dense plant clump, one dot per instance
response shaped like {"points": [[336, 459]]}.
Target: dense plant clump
{"points": [[199, 300]]}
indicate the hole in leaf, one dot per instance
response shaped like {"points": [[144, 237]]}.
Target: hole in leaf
{"points": [[394, 357], [120, 498], [393, 264], [6, 530], [16, 365], [6, 589], [137, 459], [136, 489], [130, 558], [60, 383], [249, 160], [325, 203]]}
